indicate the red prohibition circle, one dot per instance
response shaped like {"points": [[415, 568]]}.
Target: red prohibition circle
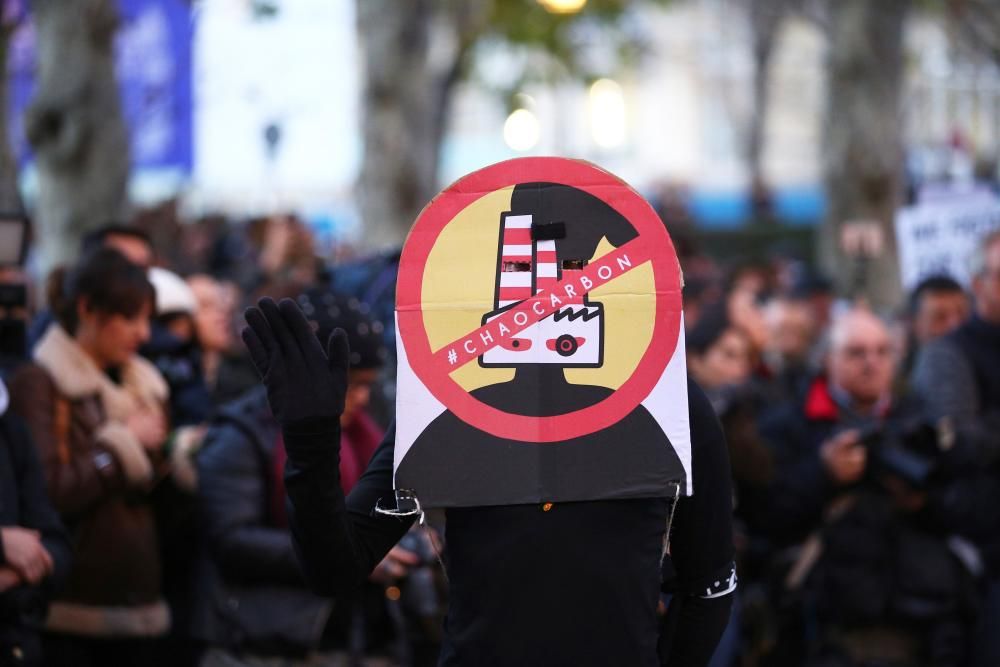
{"points": [[666, 277]]}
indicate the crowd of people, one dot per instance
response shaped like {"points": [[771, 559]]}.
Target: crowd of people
{"points": [[142, 503]]}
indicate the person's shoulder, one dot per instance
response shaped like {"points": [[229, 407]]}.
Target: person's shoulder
{"points": [[243, 426], [708, 440], [29, 380], [703, 419]]}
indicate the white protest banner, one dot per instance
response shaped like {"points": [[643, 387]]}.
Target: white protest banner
{"points": [[939, 232]]}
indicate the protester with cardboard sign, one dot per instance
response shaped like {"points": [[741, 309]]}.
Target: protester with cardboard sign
{"points": [[561, 473]]}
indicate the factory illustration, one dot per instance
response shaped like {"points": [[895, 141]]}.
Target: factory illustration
{"points": [[573, 336]]}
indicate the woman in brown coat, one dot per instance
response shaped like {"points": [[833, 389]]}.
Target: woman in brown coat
{"points": [[96, 412]]}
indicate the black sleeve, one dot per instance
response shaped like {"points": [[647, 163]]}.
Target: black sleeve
{"points": [[37, 511], [231, 499], [699, 571], [339, 541]]}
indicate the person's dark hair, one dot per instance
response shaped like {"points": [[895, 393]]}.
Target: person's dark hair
{"points": [[810, 284], [106, 281], [937, 283], [709, 328], [95, 239]]}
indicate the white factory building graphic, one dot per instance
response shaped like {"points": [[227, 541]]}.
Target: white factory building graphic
{"points": [[573, 336]]}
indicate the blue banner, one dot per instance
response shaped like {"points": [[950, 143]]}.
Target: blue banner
{"points": [[153, 66]]}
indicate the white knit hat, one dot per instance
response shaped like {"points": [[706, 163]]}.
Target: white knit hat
{"points": [[172, 294]]}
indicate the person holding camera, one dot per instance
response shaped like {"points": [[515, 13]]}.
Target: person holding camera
{"points": [[254, 604], [860, 481]]}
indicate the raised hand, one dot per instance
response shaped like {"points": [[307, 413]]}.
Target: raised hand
{"points": [[303, 381]]}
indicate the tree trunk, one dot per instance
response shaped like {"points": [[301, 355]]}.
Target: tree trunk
{"points": [[862, 142], [10, 196], [75, 125], [406, 102], [766, 17]]}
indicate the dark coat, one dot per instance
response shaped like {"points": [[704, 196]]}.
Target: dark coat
{"points": [[880, 564], [180, 364], [801, 487], [252, 594], [24, 502]]}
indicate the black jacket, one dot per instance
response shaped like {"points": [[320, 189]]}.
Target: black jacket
{"points": [[252, 594], [24, 502], [180, 364], [802, 489], [576, 583]]}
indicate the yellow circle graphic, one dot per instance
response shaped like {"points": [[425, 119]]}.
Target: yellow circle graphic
{"points": [[458, 289]]}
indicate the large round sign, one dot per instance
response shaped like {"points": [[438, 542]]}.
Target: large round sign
{"points": [[538, 306]]}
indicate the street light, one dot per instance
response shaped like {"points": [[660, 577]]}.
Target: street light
{"points": [[607, 113], [562, 6], [521, 130]]}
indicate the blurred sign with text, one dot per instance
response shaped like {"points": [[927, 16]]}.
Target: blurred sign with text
{"points": [[937, 234]]}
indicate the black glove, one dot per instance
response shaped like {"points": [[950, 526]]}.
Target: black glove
{"points": [[303, 382]]}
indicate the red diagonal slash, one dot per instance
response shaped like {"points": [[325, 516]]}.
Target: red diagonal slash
{"points": [[596, 274]]}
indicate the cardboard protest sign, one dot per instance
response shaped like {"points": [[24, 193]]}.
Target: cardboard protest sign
{"points": [[540, 341], [937, 234]]}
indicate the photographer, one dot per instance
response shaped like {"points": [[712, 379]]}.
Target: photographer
{"points": [[854, 471], [255, 603]]}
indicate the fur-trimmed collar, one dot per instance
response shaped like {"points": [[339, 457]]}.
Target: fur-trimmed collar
{"points": [[76, 375]]}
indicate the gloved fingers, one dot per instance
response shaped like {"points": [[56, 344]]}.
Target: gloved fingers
{"points": [[301, 330], [257, 323], [338, 350], [257, 351], [285, 339]]}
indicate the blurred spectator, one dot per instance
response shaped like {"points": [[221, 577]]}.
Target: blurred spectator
{"points": [[276, 250], [698, 295], [817, 291], [867, 567], [35, 551], [174, 350], [373, 282], [718, 352], [959, 377], [13, 319], [131, 242], [96, 411], [788, 352], [937, 305], [254, 603], [959, 374], [212, 324], [719, 359], [745, 312]]}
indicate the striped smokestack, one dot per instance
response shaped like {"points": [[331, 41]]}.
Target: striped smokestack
{"points": [[515, 261]]}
